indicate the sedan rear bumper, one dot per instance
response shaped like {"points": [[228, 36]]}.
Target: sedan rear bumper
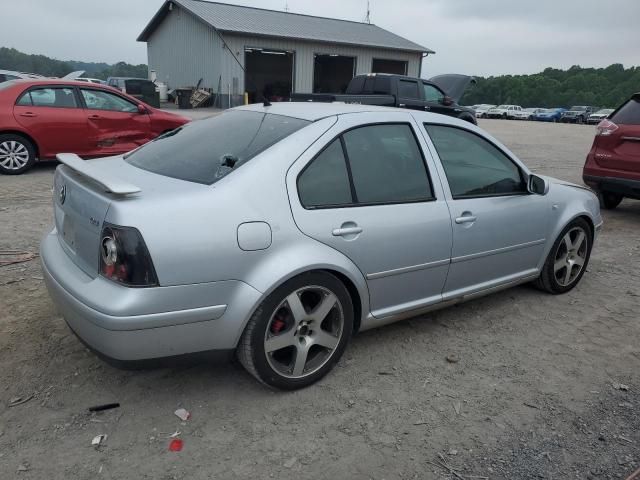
{"points": [[133, 324]]}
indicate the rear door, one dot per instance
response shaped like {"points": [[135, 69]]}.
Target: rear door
{"points": [[365, 189], [409, 94], [53, 117], [114, 122], [621, 149]]}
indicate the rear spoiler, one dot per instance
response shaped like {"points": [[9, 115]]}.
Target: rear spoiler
{"points": [[110, 183]]}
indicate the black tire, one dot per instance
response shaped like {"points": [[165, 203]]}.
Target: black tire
{"points": [[548, 281], [609, 200], [252, 352], [10, 142]]}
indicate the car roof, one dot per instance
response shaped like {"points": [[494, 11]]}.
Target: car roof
{"points": [[313, 111], [31, 82]]}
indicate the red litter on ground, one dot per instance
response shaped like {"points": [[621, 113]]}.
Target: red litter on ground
{"points": [[175, 445]]}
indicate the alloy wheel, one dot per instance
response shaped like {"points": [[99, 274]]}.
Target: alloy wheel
{"points": [[13, 155], [303, 332], [571, 256]]}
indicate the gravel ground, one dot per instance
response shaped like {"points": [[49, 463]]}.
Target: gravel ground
{"points": [[540, 387]]}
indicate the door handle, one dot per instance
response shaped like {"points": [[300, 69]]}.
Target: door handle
{"points": [[342, 232], [427, 107], [28, 114], [402, 105], [94, 117], [466, 217]]}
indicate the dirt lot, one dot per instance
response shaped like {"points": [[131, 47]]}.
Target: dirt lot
{"points": [[532, 395]]}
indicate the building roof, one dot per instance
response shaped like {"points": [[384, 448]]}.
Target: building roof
{"points": [[273, 23]]}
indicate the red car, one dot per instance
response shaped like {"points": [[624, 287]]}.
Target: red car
{"points": [[40, 118], [613, 164]]}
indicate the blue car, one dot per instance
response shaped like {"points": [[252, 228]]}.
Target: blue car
{"points": [[549, 115]]}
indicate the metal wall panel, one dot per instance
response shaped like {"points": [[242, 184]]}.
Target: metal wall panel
{"points": [[183, 49]]}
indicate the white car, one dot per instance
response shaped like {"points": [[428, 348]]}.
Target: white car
{"points": [[482, 109], [90, 80], [526, 113], [503, 111], [6, 75], [599, 115]]}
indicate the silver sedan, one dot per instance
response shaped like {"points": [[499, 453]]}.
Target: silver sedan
{"points": [[277, 232]]}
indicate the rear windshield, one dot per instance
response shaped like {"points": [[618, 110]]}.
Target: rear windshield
{"points": [[207, 150], [628, 114]]}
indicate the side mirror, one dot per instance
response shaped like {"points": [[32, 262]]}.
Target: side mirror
{"points": [[538, 185], [142, 109], [447, 101]]}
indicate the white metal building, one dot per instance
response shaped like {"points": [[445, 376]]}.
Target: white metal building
{"points": [[268, 53]]}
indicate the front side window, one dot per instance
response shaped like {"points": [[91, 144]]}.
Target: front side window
{"points": [[432, 94], [474, 166], [99, 100], [325, 181], [408, 89], [49, 97]]}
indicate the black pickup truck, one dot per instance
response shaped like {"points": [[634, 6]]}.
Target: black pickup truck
{"points": [[438, 95]]}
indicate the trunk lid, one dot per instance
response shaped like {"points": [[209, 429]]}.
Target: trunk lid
{"points": [[79, 210], [620, 150]]}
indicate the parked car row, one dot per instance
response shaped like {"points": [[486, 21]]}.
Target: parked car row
{"points": [[576, 114]]}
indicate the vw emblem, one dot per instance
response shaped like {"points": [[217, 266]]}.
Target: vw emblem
{"points": [[62, 194]]}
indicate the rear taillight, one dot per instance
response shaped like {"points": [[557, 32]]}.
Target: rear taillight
{"points": [[606, 127], [124, 257]]}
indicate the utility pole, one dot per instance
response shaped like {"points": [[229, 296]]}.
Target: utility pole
{"points": [[286, 6], [367, 18]]}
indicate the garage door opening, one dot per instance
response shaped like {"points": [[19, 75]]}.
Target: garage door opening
{"points": [[332, 73], [268, 73], [397, 67]]}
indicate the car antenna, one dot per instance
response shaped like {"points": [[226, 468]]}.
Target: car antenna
{"points": [[266, 102]]}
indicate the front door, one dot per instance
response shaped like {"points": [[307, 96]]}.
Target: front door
{"points": [[365, 189], [115, 124], [53, 117], [499, 229]]}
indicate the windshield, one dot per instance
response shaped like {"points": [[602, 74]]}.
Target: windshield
{"points": [[504, 106], [530, 109], [578, 109], [604, 111], [207, 150]]}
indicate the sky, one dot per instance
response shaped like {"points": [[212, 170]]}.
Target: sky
{"points": [[477, 37]]}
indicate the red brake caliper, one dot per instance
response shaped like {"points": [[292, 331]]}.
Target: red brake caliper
{"points": [[277, 325]]}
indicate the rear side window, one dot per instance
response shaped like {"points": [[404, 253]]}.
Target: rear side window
{"points": [[408, 89], [387, 164], [369, 165], [207, 150], [325, 181], [628, 114], [474, 166], [58, 97]]}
